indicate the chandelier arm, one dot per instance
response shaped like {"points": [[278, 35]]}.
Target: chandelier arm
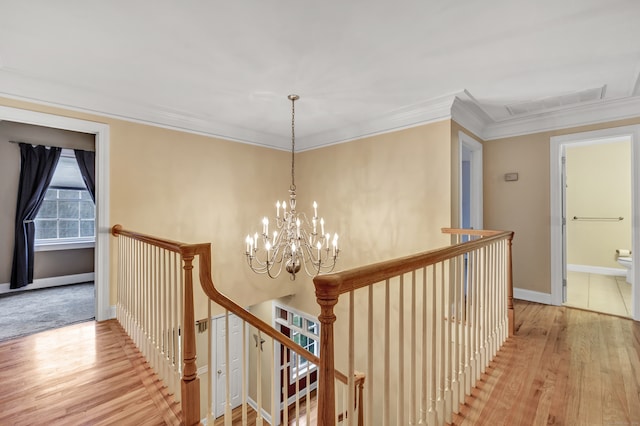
{"points": [[276, 275]]}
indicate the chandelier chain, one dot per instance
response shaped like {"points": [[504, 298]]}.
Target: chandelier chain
{"points": [[293, 142]]}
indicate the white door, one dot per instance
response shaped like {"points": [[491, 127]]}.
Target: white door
{"points": [[235, 364]]}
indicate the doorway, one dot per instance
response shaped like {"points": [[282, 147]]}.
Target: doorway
{"points": [[103, 309], [569, 228], [597, 185], [470, 178], [219, 351]]}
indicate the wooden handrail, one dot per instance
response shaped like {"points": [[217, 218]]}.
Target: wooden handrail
{"points": [[475, 232], [329, 287], [363, 276], [212, 292], [203, 250], [191, 404]]}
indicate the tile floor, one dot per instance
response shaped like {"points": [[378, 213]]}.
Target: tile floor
{"points": [[601, 293]]}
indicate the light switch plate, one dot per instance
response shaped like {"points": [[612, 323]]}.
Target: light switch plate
{"points": [[511, 177]]}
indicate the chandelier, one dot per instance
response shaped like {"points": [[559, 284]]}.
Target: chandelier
{"points": [[296, 242]]}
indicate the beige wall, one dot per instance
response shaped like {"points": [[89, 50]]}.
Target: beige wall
{"points": [[47, 263], [386, 196], [524, 206], [198, 189], [598, 185], [192, 188]]}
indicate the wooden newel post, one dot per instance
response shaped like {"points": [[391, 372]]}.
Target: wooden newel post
{"points": [[327, 296], [510, 309], [190, 386], [360, 383]]}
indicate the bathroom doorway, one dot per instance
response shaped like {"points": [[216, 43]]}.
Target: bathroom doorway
{"points": [[597, 184], [594, 200]]}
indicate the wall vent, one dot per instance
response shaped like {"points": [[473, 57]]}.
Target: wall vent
{"points": [[552, 102]]}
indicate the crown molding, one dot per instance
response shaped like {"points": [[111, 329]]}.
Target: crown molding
{"points": [[431, 111], [460, 106], [636, 87], [585, 114], [467, 112], [14, 85]]}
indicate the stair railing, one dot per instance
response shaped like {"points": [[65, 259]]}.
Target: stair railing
{"points": [[436, 318], [155, 307]]}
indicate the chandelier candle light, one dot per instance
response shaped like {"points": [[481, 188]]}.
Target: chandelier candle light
{"points": [[295, 241]]}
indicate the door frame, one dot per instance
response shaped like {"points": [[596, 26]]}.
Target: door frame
{"points": [[103, 309], [557, 146], [476, 198]]}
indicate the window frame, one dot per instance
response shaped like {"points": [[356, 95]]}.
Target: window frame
{"points": [[314, 337], [53, 244]]}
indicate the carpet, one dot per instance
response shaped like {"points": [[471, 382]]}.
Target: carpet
{"points": [[33, 311]]}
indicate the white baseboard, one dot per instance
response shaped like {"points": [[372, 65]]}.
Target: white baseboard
{"points": [[112, 312], [266, 416], [600, 270], [532, 296], [50, 282]]}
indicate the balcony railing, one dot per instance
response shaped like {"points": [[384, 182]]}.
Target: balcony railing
{"points": [[421, 329]]}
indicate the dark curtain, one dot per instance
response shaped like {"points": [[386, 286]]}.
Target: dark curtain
{"points": [[37, 165], [87, 164]]}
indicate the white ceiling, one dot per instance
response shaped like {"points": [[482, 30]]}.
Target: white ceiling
{"points": [[225, 68]]}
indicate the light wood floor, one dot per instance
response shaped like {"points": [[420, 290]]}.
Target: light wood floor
{"points": [[84, 374], [564, 367]]}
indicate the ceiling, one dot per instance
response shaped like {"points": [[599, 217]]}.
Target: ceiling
{"points": [[225, 68]]}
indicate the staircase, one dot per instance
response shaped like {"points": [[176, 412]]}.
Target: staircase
{"points": [[401, 341]]}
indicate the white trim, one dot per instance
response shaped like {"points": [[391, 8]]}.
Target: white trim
{"points": [[101, 252], [532, 296], [50, 282], [265, 415], [460, 106], [468, 112], [112, 312], [636, 87], [601, 111], [600, 270], [557, 144], [292, 398], [476, 207], [431, 111], [58, 245]]}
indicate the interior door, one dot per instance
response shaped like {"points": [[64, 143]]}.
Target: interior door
{"points": [[235, 364]]}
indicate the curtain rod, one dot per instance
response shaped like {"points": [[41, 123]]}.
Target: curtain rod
{"points": [[53, 145]]}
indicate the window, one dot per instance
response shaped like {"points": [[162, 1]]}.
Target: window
{"points": [[303, 330], [67, 214]]}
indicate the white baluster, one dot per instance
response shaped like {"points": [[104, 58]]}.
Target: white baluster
{"points": [[400, 370]]}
